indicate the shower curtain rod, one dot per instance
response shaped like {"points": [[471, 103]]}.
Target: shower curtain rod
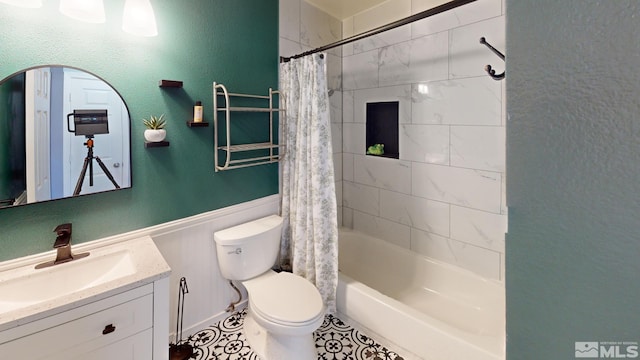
{"points": [[419, 16]]}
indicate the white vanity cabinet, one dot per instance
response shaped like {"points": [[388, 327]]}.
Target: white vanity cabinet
{"points": [[129, 325], [112, 304]]}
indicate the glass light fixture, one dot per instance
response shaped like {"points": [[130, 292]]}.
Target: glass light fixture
{"points": [[91, 11], [138, 18], [24, 3]]}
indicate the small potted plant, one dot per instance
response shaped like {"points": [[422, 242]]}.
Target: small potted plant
{"points": [[155, 131]]}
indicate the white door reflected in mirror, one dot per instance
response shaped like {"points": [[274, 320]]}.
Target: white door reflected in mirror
{"points": [[85, 91]]}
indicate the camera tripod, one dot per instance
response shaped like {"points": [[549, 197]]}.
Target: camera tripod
{"points": [[88, 161]]}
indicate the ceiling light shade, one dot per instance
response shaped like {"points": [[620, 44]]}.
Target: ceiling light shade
{"points": [[91, 11], [24, 3], [138, 18]]}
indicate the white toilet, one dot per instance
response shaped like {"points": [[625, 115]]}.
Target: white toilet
{"points": [[284, 309]]}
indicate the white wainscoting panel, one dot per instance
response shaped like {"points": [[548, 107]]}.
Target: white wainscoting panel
{"points": [[188, 247]]}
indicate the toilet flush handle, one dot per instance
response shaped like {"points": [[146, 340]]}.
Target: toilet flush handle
{"points": [[237, 251]]}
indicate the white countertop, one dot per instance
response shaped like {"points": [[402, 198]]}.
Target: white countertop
{"points": [[149, 267]]}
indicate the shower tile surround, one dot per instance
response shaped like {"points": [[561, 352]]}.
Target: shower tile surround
{"points": [[445, 196]]}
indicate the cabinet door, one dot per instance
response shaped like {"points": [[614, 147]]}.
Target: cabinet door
{"points": [[137, 347], [85, 334]]}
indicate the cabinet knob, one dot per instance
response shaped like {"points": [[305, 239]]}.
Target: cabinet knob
{"points": [[108, 329]]}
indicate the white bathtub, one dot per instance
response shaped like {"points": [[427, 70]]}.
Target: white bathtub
{"points": [[433, 309]]}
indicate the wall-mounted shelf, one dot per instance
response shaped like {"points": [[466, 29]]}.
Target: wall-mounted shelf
{"points": [[149, 144], [170, 84], [255, 153], [197, 124]]}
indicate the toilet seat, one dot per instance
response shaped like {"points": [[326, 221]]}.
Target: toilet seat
{"points": [[285, 299]]}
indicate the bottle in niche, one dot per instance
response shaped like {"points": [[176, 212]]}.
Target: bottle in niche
{"points": [[197, 112]]}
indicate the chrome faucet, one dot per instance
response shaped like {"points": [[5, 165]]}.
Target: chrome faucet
{"points": [[63, 243], [63, 247]]}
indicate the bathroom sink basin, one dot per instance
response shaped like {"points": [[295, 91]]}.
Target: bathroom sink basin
{"points": [[28, 285], [27, 293]]}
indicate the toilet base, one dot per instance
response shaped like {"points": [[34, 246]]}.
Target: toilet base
{"points": [[269, 346]]}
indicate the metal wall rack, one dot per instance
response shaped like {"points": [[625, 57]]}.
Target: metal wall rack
{"points": [[270, 151]]}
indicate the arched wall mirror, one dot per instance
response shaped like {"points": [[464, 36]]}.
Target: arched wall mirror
{"points": [[63, 132]]}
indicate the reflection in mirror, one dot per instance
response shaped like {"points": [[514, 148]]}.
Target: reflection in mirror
{"points": [[54, 139]]}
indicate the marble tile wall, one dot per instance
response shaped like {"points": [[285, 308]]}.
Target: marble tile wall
{"points": [[304, 27], [444, 197]]}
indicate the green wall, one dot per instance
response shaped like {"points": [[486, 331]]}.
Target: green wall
{"points": [[573, 165], [234, 42]]}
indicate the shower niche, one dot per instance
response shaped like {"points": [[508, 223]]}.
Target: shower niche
{"points": [[382, 129]]}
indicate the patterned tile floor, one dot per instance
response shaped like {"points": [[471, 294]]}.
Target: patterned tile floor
{"points": [[335, 340]]}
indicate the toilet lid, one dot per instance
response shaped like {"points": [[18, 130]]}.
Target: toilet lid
{"points": [[286, 299]]}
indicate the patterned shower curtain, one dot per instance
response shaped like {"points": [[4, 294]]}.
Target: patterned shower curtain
{"points": [[310, 230]]}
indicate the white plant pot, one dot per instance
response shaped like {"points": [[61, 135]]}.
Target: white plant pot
{"points": [[155, 135]]}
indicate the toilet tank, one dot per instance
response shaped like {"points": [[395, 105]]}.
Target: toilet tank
{"points": [[248, 250]]}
